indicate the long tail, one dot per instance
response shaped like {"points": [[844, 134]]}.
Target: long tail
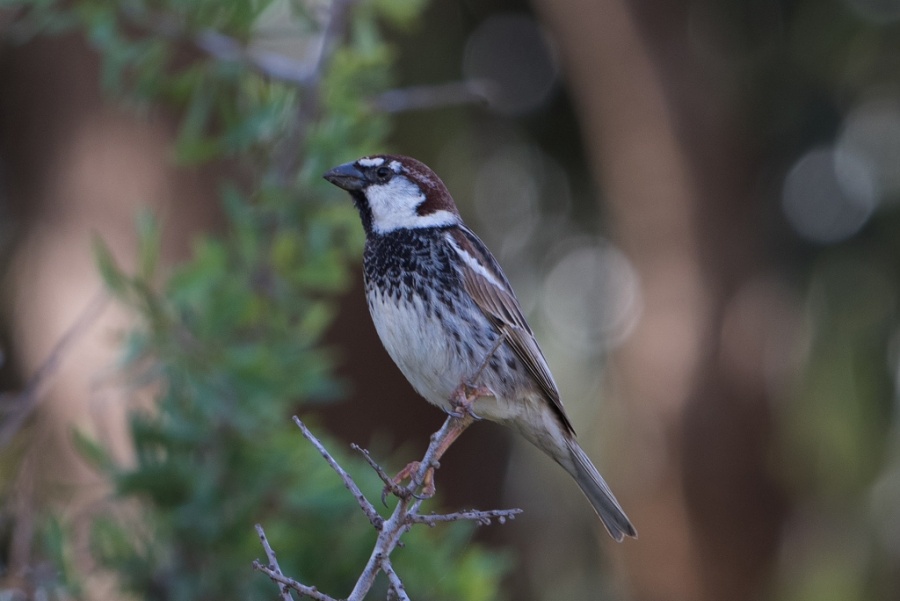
{"points": [[598, 493]]}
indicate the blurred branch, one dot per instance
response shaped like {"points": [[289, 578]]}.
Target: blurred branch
{"points": [[476, 91], [226, 48], [20, 405], [289, 154], [270, 64], [304, 75], [405, 514], [335, 28], [307, 74]]}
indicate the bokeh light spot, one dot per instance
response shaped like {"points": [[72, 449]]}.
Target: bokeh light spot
{"points": [[512, 53], [828, 196], [871, 133], [591, 297], [506, 197]]}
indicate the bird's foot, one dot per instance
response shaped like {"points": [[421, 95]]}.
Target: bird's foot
{"points": [[464, 397], [395, 486]]}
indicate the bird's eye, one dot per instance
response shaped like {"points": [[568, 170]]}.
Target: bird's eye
{"points": [[383, 173]]}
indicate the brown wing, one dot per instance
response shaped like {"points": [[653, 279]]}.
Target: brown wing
{"points": [[499, 304]]}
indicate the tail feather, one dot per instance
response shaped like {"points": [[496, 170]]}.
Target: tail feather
{"points": [[598, 493]]}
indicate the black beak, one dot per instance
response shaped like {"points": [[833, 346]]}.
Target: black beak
{"points": [[347, 177]]}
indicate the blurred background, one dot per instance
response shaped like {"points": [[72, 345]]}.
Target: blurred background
{"points": [[697, 204]]}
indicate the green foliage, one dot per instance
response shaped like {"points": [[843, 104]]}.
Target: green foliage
{"points": [[231, 343], [836, 431], [842, 444]]}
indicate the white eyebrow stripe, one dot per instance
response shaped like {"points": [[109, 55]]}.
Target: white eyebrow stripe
{"points": [[474, 264], [395, 166], [370, 162]]}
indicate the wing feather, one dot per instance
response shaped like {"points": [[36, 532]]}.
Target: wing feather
{"points": [[489, 288]]}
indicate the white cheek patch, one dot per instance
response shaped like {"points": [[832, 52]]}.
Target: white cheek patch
{"points": [[394, 205], [370, 162]]}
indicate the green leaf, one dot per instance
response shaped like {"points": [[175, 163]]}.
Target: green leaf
{"points": [[112, 275], [401, 13], [92, 451], [148, 245]]}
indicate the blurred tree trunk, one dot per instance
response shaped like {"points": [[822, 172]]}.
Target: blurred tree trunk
{"points": [[676, 175]]}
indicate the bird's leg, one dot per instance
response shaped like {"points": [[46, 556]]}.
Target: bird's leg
{"points": [[458, 425], [467, 392], [461, 412], [461, 402]]}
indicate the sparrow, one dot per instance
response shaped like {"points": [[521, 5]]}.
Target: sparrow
{"points": [[449, 318]]}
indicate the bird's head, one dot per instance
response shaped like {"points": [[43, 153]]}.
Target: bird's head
{"points": [[395, 192]]}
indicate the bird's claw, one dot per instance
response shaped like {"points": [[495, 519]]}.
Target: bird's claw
{"points": [[465, 412], [463, 399], [396, 488]]}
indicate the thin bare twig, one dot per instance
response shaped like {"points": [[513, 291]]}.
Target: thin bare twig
{"points": [[273, 561], [310, 591], [23, 403], [389, 484], [364, 504], [396, 584], [482, 517]]}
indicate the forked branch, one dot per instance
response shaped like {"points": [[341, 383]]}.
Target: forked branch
{"points": [[390, 529]]}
